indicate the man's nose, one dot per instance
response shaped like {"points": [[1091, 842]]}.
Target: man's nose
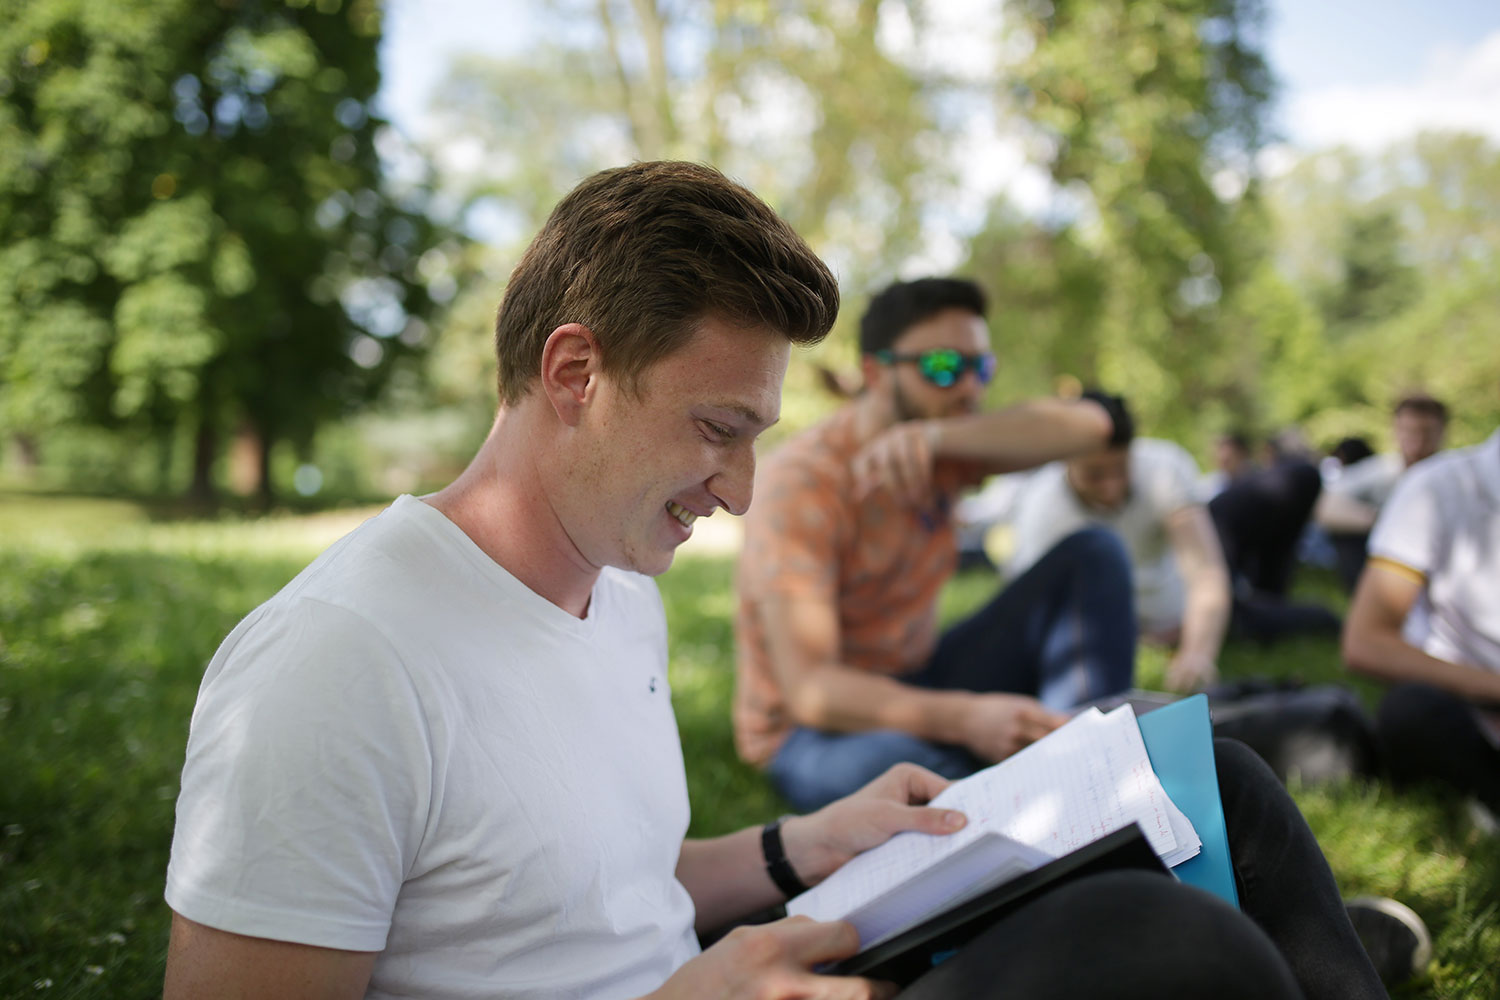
{"points": [[733, 485]]}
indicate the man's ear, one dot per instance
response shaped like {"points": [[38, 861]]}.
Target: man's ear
{"points": [[571, 364]]}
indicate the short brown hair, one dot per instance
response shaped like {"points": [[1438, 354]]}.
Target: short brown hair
{"points": [[641, 254], [1423, 405]]}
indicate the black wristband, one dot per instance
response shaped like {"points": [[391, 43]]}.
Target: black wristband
{"points": [[777, 866]]}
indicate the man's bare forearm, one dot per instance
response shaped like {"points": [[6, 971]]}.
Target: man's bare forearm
{"points": [[1343, 514], [839, 698], [1385, 654], [1023, 436], [726, 877], [1205, 617]]}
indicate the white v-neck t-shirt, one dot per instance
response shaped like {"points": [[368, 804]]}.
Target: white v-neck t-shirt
{"points": [[408, 751]]}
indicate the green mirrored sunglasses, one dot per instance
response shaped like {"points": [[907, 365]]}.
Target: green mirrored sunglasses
{"points": [[944, 366]]}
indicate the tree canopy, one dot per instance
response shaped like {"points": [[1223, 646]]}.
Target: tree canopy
{"points": [[195, 234]]}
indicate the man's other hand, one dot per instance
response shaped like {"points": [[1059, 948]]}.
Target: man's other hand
{"points": [[997, 725], [774, 962], [899, 459], [819, 843], [1188, 672]]}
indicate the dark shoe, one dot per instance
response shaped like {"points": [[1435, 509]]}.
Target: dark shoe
{"points": [[1394, 937]]}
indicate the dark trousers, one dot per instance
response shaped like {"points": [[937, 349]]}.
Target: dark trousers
{"points": [[1259, 519], [1349, 551], [1064, 631], [1129, 935], [1428, 734]]}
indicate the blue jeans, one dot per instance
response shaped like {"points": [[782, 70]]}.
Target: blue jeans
{"points": [[1063, 632]]}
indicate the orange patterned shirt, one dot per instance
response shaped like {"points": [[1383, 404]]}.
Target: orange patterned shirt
{"points": [[881, 563]]}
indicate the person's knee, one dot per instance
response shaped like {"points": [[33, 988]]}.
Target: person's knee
{"points": [[1411, 711], [1142, 934], [1248, 788], [1426, 734], [1238, 765], [1095, 548]]}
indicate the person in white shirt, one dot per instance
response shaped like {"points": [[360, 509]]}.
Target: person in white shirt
{"points": [[1426, 617], [1352, 500], [1145, 491], [442, 761]]}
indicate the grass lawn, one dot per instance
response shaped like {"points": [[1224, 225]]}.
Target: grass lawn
{"points": [[107, 619]]}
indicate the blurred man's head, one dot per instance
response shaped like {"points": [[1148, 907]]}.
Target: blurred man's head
{"points": [[640, 255], [925, 348], [1232, 454], [1419, 424], [1350, 450], [1101, 480]]}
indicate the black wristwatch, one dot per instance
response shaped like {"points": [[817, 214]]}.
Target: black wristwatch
{"points": [[777, 866]]}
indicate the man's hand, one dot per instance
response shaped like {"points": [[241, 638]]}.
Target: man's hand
{"points": [[820, 843], [900, 459], [774, 962], [1191, 671], [997, 725]]}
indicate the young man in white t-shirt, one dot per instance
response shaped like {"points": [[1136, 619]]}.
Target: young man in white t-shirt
{"points": [[1144, 491], [441, 763], [1426, 617]]}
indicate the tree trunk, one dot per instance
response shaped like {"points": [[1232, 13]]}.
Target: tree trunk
{"points": [[201, 492], [264, 495], [28, 457]]}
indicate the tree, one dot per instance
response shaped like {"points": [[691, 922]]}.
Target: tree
{"points": [[1395, 250], [194, 231], [1148, 114], [1374, 282]]}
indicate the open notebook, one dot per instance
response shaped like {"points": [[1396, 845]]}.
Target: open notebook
{"points": [[1076, 785]]}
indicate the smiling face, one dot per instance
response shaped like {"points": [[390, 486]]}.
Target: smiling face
{"points": [[910, 394], [1101, 481], [651, 462]]}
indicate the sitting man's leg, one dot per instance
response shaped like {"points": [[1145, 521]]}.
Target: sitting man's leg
{"points": [[1428, 734], [813, 767], [1122, 935], [1063, 631], [1284, 882]]}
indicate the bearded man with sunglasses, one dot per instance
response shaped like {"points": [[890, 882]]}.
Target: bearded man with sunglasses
{"points": [[842, 670]]}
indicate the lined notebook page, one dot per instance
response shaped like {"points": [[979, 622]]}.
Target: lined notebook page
{"points": [[1081, 782], [1086, 780]]}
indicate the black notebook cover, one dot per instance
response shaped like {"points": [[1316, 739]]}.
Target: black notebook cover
{"points": [[912, 952]]}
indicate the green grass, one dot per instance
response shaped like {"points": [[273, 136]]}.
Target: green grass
{"points": [[108, 616]]}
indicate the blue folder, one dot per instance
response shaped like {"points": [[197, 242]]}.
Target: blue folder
{"points": [[1180, 742]]}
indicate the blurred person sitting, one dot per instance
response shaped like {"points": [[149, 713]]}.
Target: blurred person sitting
{"points": [[1233, 460], [1426, 617], [842, 669], [1261, 517], [1349, 506], [1144, 491]]}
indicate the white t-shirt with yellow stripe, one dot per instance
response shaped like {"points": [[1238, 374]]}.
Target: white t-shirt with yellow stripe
{"points": [[1442, 524]]}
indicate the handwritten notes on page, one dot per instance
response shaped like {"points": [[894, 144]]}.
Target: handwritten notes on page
{"points": [[1076, 785]]}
